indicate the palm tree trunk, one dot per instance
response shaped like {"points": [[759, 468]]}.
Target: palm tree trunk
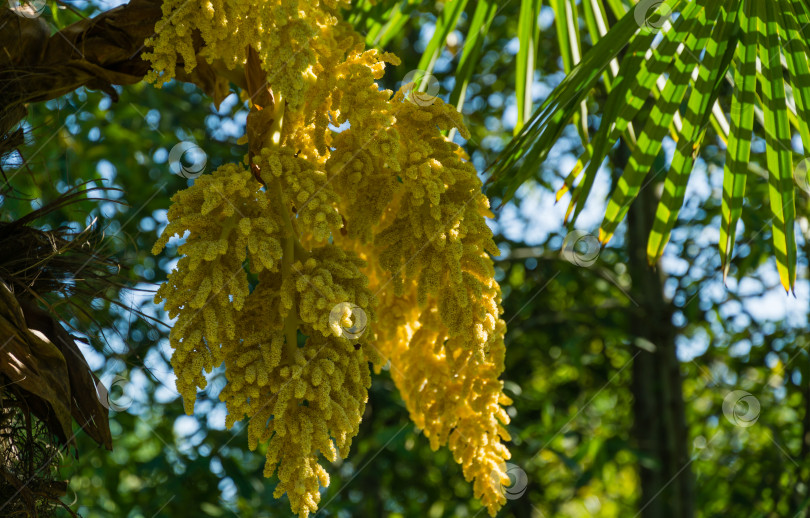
{"points": [[659, 431]]}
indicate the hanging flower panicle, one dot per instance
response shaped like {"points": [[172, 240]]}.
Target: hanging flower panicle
{"points": [[290, 257]]}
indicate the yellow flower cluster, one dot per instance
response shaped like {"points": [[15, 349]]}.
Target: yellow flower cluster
{"points": [[440, 220], [281, 31], [228, 223], [289, 257], [315, 388], [309, 190], [435, 277], [454, 396], [305, 399]]}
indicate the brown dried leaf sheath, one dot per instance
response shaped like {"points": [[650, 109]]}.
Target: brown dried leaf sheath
{"points": [[95, 52], [31, 362]]}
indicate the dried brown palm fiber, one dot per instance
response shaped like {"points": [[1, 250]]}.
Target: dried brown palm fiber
{"points": [[28, 461], [54, 276], [39, 269], [45, 383], [94, 52], [85, 406], [45, 261], [35, 414], [33, 364]]}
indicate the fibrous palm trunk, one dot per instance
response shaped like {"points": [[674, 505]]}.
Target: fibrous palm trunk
{"points": [[659, 431]]}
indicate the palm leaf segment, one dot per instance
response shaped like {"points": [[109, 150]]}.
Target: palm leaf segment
{"points": [[668, 83]]}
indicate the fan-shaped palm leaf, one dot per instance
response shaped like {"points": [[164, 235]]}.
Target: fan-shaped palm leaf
{"points": [[678, 73]]}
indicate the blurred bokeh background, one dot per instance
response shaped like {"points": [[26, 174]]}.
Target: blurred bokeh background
{"points": [[584, 327]]}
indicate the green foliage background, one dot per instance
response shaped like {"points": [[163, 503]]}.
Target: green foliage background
{"points": [[571, 328]]}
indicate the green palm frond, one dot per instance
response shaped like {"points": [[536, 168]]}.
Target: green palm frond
{"points": [[529, 34], [381, 21], [482, 17], [670, 82]]}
